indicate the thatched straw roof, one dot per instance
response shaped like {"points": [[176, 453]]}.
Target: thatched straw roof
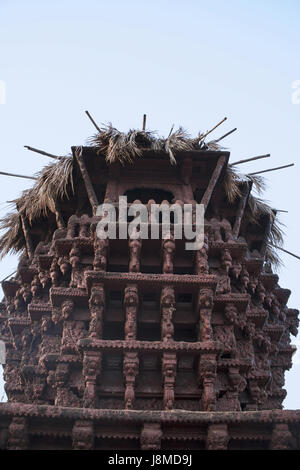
{"points": [[55, 182]]}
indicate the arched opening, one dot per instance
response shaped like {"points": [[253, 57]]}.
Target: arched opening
{"points": [[145, 194]]}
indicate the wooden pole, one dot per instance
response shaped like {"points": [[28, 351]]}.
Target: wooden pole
{"points": [[59, 218], [32, 149], [215, 127], [27, 236], [87, 180], [250, 159], [8, 276], [144, 122], [18, 176], [213, 181], [285, 251], [225, 135], [241, 210], [92, 120], [271, 169]]}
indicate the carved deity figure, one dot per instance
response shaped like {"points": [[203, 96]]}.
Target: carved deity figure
{"points": [[168, 249], [131, 302], [167, 303], [96, 306], [135, 246]]}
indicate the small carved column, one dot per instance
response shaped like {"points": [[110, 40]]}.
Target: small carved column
{"points": [[131, 302], [167, 305], [207, 378], [96, 306], [130, 371], [135, 247], [168, 251], [201, 258], [151, 436], [92, 362], [281, 437], [217, 437], [205, 306], [237, 384], [101, 253], [83, 435], [18, 434], [76, 272], [169, 363]]}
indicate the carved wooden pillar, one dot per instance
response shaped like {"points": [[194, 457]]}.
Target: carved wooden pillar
{"points": [[96, 306], [237, 384], [18, 434], [101, 253], [168, 251], [169, 363], [83, 435], [151, 435], [167, 305], [205, 306], [130, 371], [207, 377], [201, 258], [72, 226], [76, 272], [281, 437], [135, 246], [217, 437], [92, 361], [131, 303]]}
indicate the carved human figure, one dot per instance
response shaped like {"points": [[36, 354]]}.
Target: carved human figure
{"points": [[101, 249], [201, 258], [205, 311], [169, 375], [131, 302], [168, 249], [167, 303], [96, 306], [135, 246], [130, 371]]}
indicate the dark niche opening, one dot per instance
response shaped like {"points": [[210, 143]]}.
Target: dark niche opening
{"points": [[145, 194]]}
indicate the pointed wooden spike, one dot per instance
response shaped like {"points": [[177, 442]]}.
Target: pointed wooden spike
{"points": [[215, 127], [271, 169], [92, 120], [281, 210], [171, 130], [250, 159], [32, 149], [285, 251], [144, 122], [225, 135], [8, 277], [17, 176]]}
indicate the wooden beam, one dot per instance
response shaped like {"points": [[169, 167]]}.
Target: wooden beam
{"points": [[18, 176], [241, 210], [27, 236], [250, 159], [271, 169], [32, 149], [215, 127], [225, 135], [285, 251], [8, 276], [92, 120], [268, 229], [213, 181], [87, 180], [144, 122]]}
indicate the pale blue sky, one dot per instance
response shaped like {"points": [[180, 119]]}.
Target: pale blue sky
{"points": [[188, 63]]}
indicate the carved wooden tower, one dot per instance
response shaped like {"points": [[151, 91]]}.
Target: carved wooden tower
{"points": [[128, 344]]}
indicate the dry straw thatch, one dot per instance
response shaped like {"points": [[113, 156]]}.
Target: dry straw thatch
{"points": [[55, 182]]}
